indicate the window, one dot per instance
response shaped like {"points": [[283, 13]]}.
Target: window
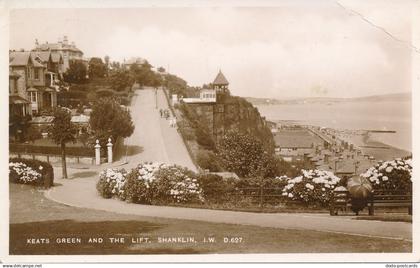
{"points": [[29, 72], [36, 72], [33, 96]]}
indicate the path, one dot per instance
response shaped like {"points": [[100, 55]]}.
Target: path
{"points": [[153, 139], [87, 197]]}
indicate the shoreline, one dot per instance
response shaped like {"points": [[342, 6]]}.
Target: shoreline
{"points": [[372, 147]]}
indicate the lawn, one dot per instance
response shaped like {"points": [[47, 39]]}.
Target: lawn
{"points": [[34, 216]]}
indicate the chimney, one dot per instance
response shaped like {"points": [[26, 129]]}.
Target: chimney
{"points": [[65, 40]]}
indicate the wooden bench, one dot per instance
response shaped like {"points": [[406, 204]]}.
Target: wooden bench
{"points": [[341, 200], [390, 198]]}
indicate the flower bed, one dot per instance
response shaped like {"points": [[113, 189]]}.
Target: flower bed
{"points": [[28, 171], [312, 187], [391, 175], [150, 183]]}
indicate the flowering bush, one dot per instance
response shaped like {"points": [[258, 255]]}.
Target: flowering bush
{"points": [[21, 173], [391, 175], [136, 188], [175, 184], [312, 187], [110, 182], [150, 183], [29, 171]]}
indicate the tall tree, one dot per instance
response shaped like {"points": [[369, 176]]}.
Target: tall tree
{"points": [[97, 68], [120, 79], [242, 154], [109, 119], [63, 131], [76, 73]]}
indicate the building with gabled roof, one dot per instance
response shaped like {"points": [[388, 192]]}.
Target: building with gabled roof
{"points": [[68, 51], [32, 81]]}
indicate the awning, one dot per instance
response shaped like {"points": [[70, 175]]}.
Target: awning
{"points": [[18, 100]]}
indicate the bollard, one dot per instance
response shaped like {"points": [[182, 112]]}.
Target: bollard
{"points": [[109, 145], [97, 153]]}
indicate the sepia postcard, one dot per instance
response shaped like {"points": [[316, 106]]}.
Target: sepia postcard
{"points": [[210, 131]]}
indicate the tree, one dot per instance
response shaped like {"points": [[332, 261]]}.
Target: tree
{"points": [[161, 70], [143, 74], [109, 119], [242, 154], [106, 60], [120, 79], [76, 73], [63, 131], [97, 68]]}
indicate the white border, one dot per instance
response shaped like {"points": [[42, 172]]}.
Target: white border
{"points": [[5, 7]]}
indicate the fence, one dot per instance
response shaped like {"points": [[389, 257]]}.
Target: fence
{"points": [[51, 150]]}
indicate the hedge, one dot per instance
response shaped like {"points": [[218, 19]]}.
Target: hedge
{"points": [[51, 150], [44, 168]]}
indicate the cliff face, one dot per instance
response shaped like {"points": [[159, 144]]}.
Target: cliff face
{"points": [[234, 113]]}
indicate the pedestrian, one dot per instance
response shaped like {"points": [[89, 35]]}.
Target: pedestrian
{"points": [[161, 113]]}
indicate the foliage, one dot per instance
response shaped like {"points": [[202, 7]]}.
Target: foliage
{"points": [[137, 187], [109, 119], [144, 75], [110, 182], [76, 73], [175, 184], [30, 171], [120, 79], [208, 160], [150, 183], [97, 68], [176, 85], [312, 187], [242, 154], [391, 175], [51, 150], [62, 129], [33, 133], [216, 189]]}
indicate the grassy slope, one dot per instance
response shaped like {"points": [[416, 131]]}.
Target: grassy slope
{"points": [[34, 216]]}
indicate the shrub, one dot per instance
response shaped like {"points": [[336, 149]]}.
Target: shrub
{"points": [[312, 187], [216, 189], [136, 188], [28, 171], [208, 160], [175, 184], [391, 175], [110, 182]]}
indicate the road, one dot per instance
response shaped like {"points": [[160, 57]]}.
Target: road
{"points": [[153, 138]]}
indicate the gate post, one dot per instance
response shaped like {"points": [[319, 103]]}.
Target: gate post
{"points": [[97, 153], [109, 145]]}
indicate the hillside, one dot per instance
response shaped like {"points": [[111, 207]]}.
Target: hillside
{"points": [[405, 96]]}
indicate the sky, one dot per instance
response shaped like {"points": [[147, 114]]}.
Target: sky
{"points": [[296, 49]]}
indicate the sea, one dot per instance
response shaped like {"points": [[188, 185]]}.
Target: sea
{"points": [[354, 115]]}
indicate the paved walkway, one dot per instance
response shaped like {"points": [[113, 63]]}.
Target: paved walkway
{"points": [[81, 192], [153, 139]]}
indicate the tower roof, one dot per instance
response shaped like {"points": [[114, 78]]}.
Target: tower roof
{"points": [[220, 79]]}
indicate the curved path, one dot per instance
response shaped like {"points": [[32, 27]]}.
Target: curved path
{"points": [[81, 192], [154, 140]]}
